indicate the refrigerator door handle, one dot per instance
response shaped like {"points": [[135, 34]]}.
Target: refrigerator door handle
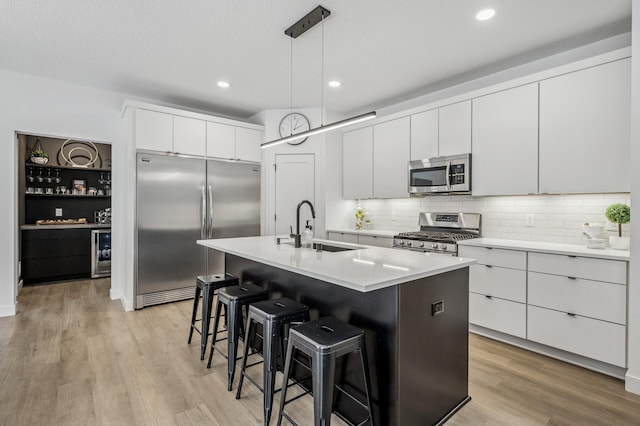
{"points": [[203, 214], [210, 190]]}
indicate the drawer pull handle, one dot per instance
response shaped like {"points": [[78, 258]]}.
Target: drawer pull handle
{"points": [[489, 248], [571, 314], [571, 256], [489, 266], [572, 278], [488, 297]]}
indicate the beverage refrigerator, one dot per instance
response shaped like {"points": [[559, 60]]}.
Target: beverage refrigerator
{"points": [[100, 253]]}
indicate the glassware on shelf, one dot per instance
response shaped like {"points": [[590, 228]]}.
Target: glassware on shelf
{"points": [[101, 180], [57, 178], [63, 189], [49, 177], [57, 190], [40, 178], [30, 177]]}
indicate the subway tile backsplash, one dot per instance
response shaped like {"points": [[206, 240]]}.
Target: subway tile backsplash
{"points": [[557, 218]]}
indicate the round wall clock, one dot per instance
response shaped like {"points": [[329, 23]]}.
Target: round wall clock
{"points": [[292, 124]]}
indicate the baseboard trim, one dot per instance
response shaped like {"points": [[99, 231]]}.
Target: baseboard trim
{"points": [[8, 310], [632, 383], [114, 294]]}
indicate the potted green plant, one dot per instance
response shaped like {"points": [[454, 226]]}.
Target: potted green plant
{"points": [[619, 214], [38, 156]]}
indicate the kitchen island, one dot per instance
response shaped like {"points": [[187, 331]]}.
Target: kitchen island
{"points": [[412, 306]]}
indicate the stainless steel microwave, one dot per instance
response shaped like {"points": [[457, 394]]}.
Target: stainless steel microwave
{"points": [[448, 175]]}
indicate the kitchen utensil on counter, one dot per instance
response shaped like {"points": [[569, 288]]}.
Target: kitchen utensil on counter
{"points": [[592, 231]]}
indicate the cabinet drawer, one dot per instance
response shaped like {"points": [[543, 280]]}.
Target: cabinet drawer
{"points": [[375, 240], [495, 257], [595, 299], [613, 271], [344, 237], [497, 314], [588, 337], [504, 283]]}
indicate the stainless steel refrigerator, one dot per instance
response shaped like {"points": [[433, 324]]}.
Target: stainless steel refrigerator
{"points": [[178, 201]]}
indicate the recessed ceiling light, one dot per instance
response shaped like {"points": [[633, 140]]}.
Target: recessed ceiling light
{"points": [[485, 14], [334, 83], [223, 84]]}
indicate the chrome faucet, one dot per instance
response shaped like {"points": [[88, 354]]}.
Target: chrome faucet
{"points": [[297, 237]]}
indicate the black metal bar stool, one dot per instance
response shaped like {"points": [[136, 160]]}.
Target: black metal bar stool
{"points": [[207, 285], [324, 340], [234, 298], [276, 316]]}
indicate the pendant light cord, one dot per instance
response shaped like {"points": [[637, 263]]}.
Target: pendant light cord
{"points": [[322, 73], [291, 84]]}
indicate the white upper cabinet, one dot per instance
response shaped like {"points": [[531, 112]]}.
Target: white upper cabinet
{"points": [[184, 132], [153, 130], [236, 143], [248, 144], [454, 124], [357, 163], [505, 142], [189, 135], [424, 135], [584, 130], [391, 145], [221, 140]]}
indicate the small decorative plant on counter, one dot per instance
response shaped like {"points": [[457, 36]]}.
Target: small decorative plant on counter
{"points": [[359, 217], [619, 214]]}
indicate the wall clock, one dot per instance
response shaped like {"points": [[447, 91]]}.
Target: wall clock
{"points": [[292, 124]]}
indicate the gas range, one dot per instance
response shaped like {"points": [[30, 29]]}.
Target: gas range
{"points": [[440, 232]]}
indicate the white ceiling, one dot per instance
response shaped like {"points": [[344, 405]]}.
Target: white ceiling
{"points": [[382, 51]]}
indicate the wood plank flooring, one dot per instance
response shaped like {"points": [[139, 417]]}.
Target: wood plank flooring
{"points": [[71, 356]]}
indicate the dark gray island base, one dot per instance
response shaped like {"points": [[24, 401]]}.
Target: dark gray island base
{"points": [[416, 336]]}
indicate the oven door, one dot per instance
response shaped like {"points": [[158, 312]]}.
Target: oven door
{"points": [[440, 175]]}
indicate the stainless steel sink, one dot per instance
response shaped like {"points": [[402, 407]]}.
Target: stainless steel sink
{"points": [[327, 247]]}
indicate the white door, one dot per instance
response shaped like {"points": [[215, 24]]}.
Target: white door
{"points": [[294, 182]]}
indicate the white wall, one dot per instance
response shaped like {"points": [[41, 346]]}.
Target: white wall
{"points": [[632, 382], [558, 218], [42, 106], [327, 149]]}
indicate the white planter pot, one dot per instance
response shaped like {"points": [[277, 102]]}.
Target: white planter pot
{"points": [[619, 243], [39, 160]]}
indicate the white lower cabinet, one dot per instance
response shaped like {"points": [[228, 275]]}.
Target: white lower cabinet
{"points": [[368, 240], [343, 237], [505, 283], [498, 314], [594, 299], [600, 340], [574, 303], [375, 240]]}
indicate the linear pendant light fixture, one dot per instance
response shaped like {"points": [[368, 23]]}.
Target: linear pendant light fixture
{"points": [[307, 22]]}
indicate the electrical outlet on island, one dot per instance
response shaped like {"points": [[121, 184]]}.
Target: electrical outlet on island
{"points": [[58, 212]]}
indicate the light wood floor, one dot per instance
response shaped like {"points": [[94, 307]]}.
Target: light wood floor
{"points": [[72, 356]]}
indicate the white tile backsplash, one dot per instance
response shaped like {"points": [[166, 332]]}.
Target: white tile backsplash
{"points": [[558, 218]]}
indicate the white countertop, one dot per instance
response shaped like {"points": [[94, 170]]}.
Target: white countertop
{"points": [[373, 232], [365, 269], [543, 247]]}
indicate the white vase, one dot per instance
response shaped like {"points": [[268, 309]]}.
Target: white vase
{"points": [[619, 243], [39, 160]]}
